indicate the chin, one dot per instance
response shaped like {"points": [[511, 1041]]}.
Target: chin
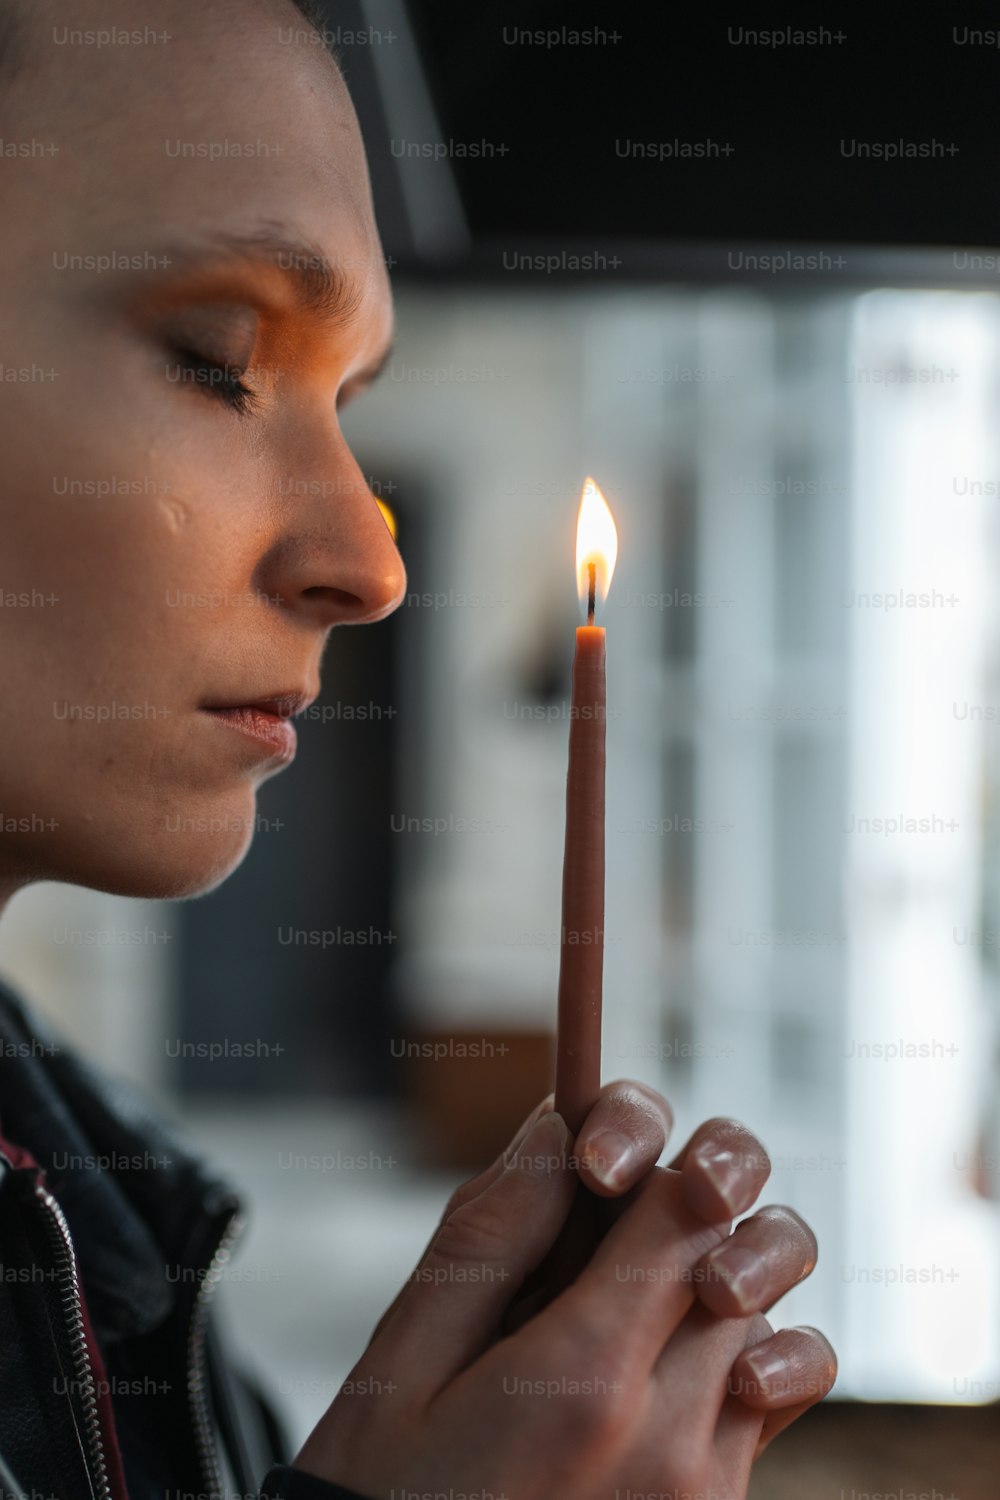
{"points": [[185, 874], [183, 880], [181, 855]]}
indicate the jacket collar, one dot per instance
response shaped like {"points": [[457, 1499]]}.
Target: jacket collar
{"points": [[141, 1206]]}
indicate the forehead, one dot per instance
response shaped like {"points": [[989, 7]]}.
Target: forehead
{"points": [[217, 117]]}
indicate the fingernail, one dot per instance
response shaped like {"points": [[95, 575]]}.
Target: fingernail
{"points": [[526, 1125], [744, 1273], [545, 1148], [726, 1173], [768, 1370], [610, 1156]]}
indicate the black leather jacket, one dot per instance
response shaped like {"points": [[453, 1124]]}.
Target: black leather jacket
{"points": [[113, 1232]]}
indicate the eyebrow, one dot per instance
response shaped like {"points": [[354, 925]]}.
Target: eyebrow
{"points": [[322, 288]]}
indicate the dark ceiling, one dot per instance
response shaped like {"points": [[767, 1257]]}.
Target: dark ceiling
{"points": [[783, 118]]}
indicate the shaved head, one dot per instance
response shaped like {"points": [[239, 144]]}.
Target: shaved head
{"points": [[193, 287], [16, 24]]}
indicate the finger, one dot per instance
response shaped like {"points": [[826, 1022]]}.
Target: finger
{"points": [[471, 1189], [795, 1367], [764, 1257], [690, 1389], [588, 1222], [694, 1368], [622, 1137], [629, 1298], [724, 1168], [737, 1443], [478, 1259], [778, 1418], [475, 1185]]}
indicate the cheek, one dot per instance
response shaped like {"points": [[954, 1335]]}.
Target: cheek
{"points": [[121, 495], [118, 503]]}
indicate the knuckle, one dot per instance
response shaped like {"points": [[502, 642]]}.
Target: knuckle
{"points": [[597, 1418], [586, 1339], [475, 1230], [462, 1194], [579, 1419], [471, 1188], [592, 1344]]}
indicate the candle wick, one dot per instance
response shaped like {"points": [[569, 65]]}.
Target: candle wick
{"points": [[592, 571]]}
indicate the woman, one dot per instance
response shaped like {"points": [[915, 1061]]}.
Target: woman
{"points": [[193, 286]]}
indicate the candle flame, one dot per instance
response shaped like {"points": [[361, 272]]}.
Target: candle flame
{"points": [[596, 542], [387, 516]]}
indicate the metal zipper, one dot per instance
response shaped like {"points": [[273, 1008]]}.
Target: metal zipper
{"points": [[72, 1301], [195, 1363]]}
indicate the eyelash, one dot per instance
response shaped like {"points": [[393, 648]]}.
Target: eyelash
{"points": [[222, 382]]}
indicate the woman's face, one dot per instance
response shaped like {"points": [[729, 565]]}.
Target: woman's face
{"points": [[192, 286]]}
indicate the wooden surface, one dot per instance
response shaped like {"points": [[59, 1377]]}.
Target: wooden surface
{"points": [[860, 1451]]}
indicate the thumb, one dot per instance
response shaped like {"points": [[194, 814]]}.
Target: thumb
{"points": [[472, 1189], [453, 1303]]}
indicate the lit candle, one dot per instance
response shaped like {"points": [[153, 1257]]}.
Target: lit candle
{"points": [[581, 952], [581, 962]]}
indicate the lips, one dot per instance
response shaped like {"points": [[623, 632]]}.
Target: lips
{"points": [[265, 720], [283, 705]]}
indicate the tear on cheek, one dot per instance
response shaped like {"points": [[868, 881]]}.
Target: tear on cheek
{"points": [[174, 513]]}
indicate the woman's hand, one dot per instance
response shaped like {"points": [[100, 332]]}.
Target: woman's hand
{"points": [[625, 1378]]}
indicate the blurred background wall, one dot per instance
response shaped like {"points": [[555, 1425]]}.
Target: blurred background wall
{"points": [[802, 872]]}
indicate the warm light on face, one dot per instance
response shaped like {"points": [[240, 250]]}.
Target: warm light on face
{"points": [[596, 542], [387, 515]]}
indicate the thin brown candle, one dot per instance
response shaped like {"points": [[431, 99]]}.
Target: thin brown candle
{"points": [[581, 953]]}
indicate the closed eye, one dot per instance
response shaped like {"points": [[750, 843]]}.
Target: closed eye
{"points": [[223, 381]]}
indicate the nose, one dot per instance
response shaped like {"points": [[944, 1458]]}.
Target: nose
{"points": [[334, 561]]}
